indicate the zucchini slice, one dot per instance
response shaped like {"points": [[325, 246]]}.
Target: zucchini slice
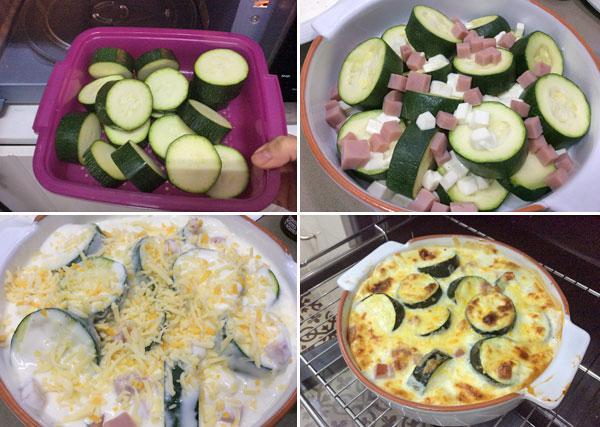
{"points": [[415, 103], [537, 47], [507, 279], [138, 167], [562, 108], [438, 262], [87, 95], [91, 286], [430, 31], [528, 183], [101, 166], [419, 290], [193, 164], [125, 103], [441, 73], [154, 60], [464, 288], [267, 289], [164, 131], [181, 408], [169, 89], [157, 338], [40, 331], [118, 136], [533, 326], [495, 359], [108, 61], [501, 161], [76, 132], [486, 200], [366, 72], [491, 79], [395, 37], [382, 311], [491, 314], [430, 321], [235, 174], [146, 252], [219, 76], [426, 368], [410, 160], [489, 26], [204, 120]]}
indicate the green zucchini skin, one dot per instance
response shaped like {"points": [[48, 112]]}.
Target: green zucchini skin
{"points": [[96, 171], [116, 55], [524, 193], [445, 326], [475, 360], [490, 332], [215, 96], [427, 367], [173, 404], [154, 55], [441, 74], [158, 339], [492, 29], [496, 170], [519, 52], [444, 197], [382, 176], [455, 284], [493, 84], [202, 125], [398, 309], [136, 170], [432, 300], [442, 269], [100, 105], [414, 104], [423, 40], [67, 137]]}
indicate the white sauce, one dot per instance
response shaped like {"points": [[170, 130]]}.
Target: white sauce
{"points": [[310, 9]]}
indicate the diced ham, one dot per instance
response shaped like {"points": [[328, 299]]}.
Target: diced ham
{"points": [[463, 50], [496, 56], [418, 82], [557, 178], [406, 51], [123, 420], [534, 127], [489, 55], [547, 155], [393, 95], [442, 158], [397, 82], [439, 144], [459, 30], [125, 383], [507, 40], [489, 42], [565, 162], [335, 116], [334, 94], [541, 69], [522, 108], [423, 201], [439, 207], [476, 44], [446, 120], [378, 143], [537, 144], [331, 104], [339, 126], [416, 61], [391, 131], [355, 152], [471, 35], [383, 371], [279, 351], [463, 83], [230, 415], [526, 79], [392, 108], [473, 96], [463, 207]]}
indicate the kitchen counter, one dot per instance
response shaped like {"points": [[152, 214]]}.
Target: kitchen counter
{"points": [[320, 193]]}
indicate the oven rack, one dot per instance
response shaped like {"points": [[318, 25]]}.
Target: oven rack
{"points": [[333, 396]]}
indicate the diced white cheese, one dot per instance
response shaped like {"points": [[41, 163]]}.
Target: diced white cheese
{"points": [[506, 100], [426, 121], [440, 89], [431, 180], [461, 112], [456, 166], [490, 98], [458, 94], [467, 185], [520, 30], [469, 119], [482, 183], [435, 63], [383, 118], [481, 118], [452, 80], [448, 180], [481, 138], [374, 126], [376, 162], [499, 36], [515, 91], [561, 151], [379, 189]]}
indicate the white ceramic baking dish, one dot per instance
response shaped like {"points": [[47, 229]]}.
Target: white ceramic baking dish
{"points": [[349, 22], [22, 238], [547, 390]]}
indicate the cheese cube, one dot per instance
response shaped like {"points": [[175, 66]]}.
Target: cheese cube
{"points": [[481, 118], [520, 30], [469, 119], [456, 166], [515, 91], [384, 118], [482, 183], [458, 94], [561, 151], [448, 180], [506, 100], [374, 126], [490, 98], [452, 80], [499, 36], [440, 88], [480, 137], [431, 180], [467, 185], [461, 112], [425, 121], [435, 63]]}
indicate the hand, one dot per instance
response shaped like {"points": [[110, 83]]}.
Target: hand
{"points": [[281, 153]]}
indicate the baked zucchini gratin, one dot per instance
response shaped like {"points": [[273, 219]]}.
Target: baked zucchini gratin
{"points": [[148, 321], [453, 325]]}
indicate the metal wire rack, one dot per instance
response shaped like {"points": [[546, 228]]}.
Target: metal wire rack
{"points": [[332, 395]]}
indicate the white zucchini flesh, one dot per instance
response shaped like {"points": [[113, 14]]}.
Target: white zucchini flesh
{"points": [[360, 71], [65, 245], [221, 67], [169, 89], [235, 174], [119, 136], [102, 155], [88, 134], [470, 66], [436, 22], [129, 104], [164, 131], [87, 95]]}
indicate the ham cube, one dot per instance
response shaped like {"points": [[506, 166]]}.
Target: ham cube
{"points": [[491, 42], [441, 159], [446, 120], [423, 201], [463, 50], [476, 44], [557, 179], [483, 57], [439, 144], [526, 79], [123, 420], [534, 127], [473, 96], [418, 82], [392, 108], [378, 143], [471, 35], [496, 56], [334, 94], [335, 116], [406, 51], [546, 155], [397, 82], [416, 61], [391, 131], [537, 144], [459, 30], [522, 108], [541, 69], [439, 207], [331, 104], [507, 40], [463, 83], [463, 207], [565, 162], [383, 371], [355, 152], [393, 95]]}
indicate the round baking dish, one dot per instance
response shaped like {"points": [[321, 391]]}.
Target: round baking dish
{"points": [[347, 23], [21, 239], [547, 390]]}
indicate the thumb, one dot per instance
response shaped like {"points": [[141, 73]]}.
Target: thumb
{"points": [[276, 153]]}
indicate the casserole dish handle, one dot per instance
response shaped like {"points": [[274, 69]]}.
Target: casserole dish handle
{"points": [[549, 388], [334, 18]]}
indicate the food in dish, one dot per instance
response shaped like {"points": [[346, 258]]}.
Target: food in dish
{"points": [[159, 321], [457, 116], [452, 325]]}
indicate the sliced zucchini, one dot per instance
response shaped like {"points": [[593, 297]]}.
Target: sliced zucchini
{"points": [[528, 183], [219, 76], [491, 313], [366, 72], [486, 200], [430, 31], [533, 326], [138, 167], [495, 359], [204, 121], [125, 103], [154, 60], [491, 79], [157, 338], [562, 108], [39, 332], [108, 61], [164, 131], [146, 252], [426, 368], [239, 362], [410, 160], [268, 289], [416, 103], [537, 47], [395, 37], [501, 161], [441, 73], [489, 26], [169, 89], [419, 290], [382, 311], [193, 164], [119, 137], [76, 132], [92, 285], [506, 279], [432, 320], [181, 408], [66, 244], [235, 174], [464, 288], [87, 95], [101, 166], [438, 262]]}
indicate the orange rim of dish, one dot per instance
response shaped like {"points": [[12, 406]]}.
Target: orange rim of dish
{"points": [[423, 406], [344, 181], [28, 421]]}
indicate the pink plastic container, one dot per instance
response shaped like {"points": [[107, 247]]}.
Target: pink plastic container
{"points": [[257, 115]]}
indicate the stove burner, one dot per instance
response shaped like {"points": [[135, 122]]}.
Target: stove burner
{"points": [[53, 24]]}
